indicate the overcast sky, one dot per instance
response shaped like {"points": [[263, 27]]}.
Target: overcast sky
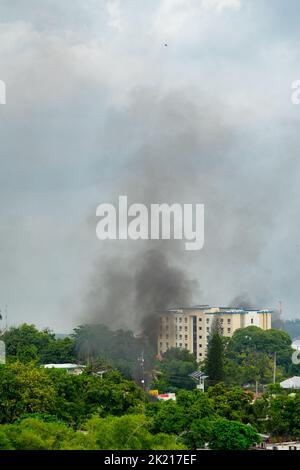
{"points": [[76, 74]]}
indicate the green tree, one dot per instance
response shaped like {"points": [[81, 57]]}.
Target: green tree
{"points": [[37, 434], [283, 414], [59, 351], [214, 363], [232, 435], [232, 403], [120, 348], [129, 432], [24, 389], [199, 433], [176, 417], [5, 443], [26, 344], [173, 371]]}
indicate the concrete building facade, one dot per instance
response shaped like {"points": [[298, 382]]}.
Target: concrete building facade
{"points": [[190, 328]]}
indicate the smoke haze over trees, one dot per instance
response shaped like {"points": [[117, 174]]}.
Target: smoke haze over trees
{"points": [[108, 110]]}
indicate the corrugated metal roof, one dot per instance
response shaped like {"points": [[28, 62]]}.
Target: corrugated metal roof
{"points": [[293, 382]]}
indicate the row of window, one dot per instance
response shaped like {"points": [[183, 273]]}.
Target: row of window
{"points": [[179, 320], [180, 345], [200, 336]]}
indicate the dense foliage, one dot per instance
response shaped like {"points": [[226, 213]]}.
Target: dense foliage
{"points": [[120, 348], [250, 353], [51, 409], [26, 343], [172, 371], [129, 432], [25, 389], [214, 363]]}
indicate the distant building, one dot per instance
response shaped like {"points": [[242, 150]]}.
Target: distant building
{"points": [[283, 446], [296, 344], [190, 328], [292, 383], [167, 396], [74, 369]]}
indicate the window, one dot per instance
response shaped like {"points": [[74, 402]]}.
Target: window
{"points": [[200, 327], [180, 319], [160, 344], [167, 336], [222, 320], [185, 328], [180, 336], [180, 345], [200, 337], [228, 330], [207, 329], [200, 354], [228, 321], [207, 320], [186, 337], [186, 346], [200, 345], [167, 344], [176, 336], [252, 321], [200, 319], [180, 328], [185, 320]]}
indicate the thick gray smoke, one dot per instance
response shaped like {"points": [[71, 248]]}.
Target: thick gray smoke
{"points": [[242, 301], [170, 145], [127, 292], [173, 149]]}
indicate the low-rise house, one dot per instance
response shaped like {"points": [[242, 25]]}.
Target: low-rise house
{"points": [[292, 383], [74, 369], [283, 446]]}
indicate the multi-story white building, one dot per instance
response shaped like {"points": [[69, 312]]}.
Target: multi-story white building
{"points": [[189, 328]]}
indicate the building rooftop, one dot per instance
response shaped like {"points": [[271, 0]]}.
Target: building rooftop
{"points": [[216, 310], [63, 366], [293, 382]]}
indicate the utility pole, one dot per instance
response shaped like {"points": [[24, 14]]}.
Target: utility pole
{"points": [[198, 375], [143, 370], [274, 369], [142, 361]]}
